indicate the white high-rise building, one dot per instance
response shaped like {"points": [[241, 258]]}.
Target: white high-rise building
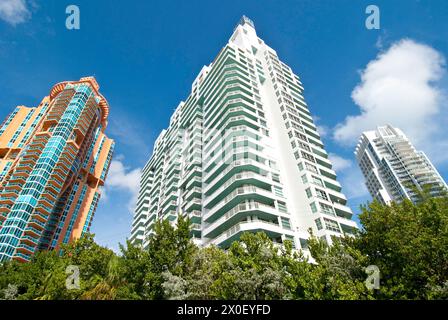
{"points": [[242, 154], [393, 168]]}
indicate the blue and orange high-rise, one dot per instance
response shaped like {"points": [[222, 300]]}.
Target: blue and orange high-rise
{"points": [[53, 162]]}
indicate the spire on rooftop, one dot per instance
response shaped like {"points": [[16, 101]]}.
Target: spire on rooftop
{"points": [[245, 20]]}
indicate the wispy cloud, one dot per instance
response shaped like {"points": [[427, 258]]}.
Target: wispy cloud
{"points": [[402, 87], [14, 11], [321, 128], [130, 133], [339, 163], [122, 178]]}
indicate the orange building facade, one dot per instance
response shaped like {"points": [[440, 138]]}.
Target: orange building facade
{"points": [[54, 159]]}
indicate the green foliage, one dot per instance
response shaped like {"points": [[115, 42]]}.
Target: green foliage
{"points": [[408, 242]]}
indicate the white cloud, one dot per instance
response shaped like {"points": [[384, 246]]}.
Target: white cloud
{"points": [[401, 87], [124, 179], [14, 11], [339, 163], [322, 130]]}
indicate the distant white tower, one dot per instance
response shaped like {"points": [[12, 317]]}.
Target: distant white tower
{"points": [[393, 168]]}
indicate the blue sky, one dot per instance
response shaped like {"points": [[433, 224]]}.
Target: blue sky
{"points": [[146, 54]]}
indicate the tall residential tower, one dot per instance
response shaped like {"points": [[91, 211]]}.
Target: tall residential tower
{"points": [[393, 169], [53, 160], [242, 154]]}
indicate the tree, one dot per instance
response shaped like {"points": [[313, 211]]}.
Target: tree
{"points": [[338, 272], [409, 244], [256, 270], [170, 249]]}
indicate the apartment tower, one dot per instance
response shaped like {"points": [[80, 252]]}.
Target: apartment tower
{"points": [[242, 154], [393, 168], [53, 161]]}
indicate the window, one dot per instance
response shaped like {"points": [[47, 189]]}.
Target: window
{"points": [[304, 243], [304, 179], [311, 167], [332, 225], [282, 206], [318, 224], [313, 207], [321, 194], [308, 193], [307, 156], [326, 208], [278, 191], [318, 181], [286, 224]]}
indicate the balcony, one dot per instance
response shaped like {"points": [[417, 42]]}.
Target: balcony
{"points": [[237, 196], [32, 231], [238, 180], [14, 186], [221, 161], [342, 210], [21, 257], [171, 206], [195, 182], [45, 202], [26, 248], [213, 177], [271, 229], [7, 200], [21, 179], [21, 173], [195, 213], [194, 192], [238, 213], [194, 205], [232, 112], [40, 217], [29, 240], [37, 224]]}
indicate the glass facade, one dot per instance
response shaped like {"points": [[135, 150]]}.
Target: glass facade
{"points": [[51, 178]]}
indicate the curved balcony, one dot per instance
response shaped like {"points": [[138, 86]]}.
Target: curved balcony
{"points": [[34, 223], [7, 200], [22, 257], [26, 248], [214, 177], [238, 180], [238, 213], [271, 229], [194, 192], [237, 196], [194, 205], [220, 162], [32, 231], [234, 111], [239, 131], [231, 143], [32, 241]]}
